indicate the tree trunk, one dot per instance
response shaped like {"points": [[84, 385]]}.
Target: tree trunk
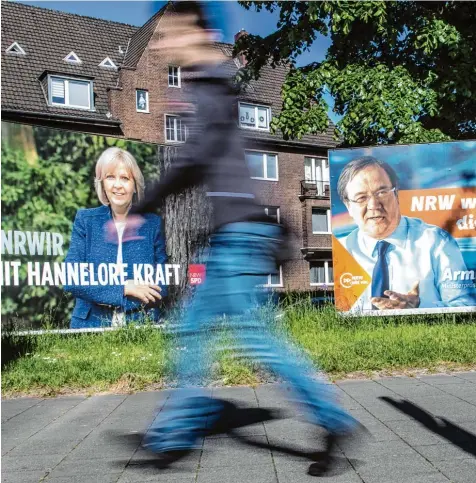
{"points": [[187, 228], [20, 137]]}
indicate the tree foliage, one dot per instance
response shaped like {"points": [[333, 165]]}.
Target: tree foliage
{"points": [[399, 72]]}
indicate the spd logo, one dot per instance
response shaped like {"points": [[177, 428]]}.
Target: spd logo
{"points": [[347, 280]]}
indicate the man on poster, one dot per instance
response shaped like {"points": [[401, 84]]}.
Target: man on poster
{"points": [[412, 264]]}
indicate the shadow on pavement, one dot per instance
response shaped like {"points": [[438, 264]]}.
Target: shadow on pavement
{"points": [[441, 426], [234, 417]]}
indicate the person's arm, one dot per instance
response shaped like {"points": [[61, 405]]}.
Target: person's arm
{"points": [[456, 289], [112, 295], [206, 143]]}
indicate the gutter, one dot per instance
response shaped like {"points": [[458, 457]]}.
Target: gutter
{"points": [[62, 117]]}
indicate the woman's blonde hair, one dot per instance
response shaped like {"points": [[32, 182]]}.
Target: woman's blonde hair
{"points": [[113, 156]]}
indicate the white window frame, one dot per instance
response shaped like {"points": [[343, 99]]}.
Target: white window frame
{"points": [[320, 181], [278, 212], [107, 60], [256, 106], [280, 284], [15, 49], [66, 80], [179, 77], [328, 212], [265, 164], [175, 129], [146, 110], [326, 274], [76, 60]]}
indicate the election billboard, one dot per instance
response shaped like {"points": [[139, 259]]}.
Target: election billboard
{"points": [[71, 258], [404, 228]]}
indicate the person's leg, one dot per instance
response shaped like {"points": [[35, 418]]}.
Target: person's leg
{"points": [[184, 420], [256, 341]]}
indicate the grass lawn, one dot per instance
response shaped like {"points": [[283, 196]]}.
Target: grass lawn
{"points": [[132, 359]]}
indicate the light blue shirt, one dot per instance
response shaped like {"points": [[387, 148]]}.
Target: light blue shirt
{"points": [[421, 253]]}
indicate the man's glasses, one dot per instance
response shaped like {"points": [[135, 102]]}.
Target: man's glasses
{"points": [[381, 195]]}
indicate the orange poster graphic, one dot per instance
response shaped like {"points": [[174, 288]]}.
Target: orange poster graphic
{"points": [[352, 280], [453, 209]]}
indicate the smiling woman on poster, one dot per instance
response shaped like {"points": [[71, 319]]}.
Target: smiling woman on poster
{"points": [[119, 183], [409, 260]]}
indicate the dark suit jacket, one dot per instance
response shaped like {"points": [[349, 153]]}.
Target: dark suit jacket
{"points": [[90, 244]]}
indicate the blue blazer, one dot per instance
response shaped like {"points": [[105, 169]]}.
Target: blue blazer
{"points": [[95, 304]]}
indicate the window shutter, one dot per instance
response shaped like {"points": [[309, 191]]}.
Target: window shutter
{"points": [[57, 89]]}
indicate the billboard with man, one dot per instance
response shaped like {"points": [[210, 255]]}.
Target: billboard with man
{"points": [[404, 228]]}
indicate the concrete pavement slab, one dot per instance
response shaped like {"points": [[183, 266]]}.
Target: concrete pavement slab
{"points": [[41, 445], [468, 376], [69, 439], [234, 453], [458, 471], [30, 463], [417, 391], [296, 472], [465, 392], [260, 473], [70, 466], [446, 451], [414, 433], [441, 379], [22, 476], [13, 407], [104, 478], [378, 469], [27, 423], [181, 472]]}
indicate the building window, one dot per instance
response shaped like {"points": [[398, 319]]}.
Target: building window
{"points": [[174, 76], [108, 64], [175, 129], [272, 212], [316, 170], [275, 279], [320, 220], [72, 58], [142, 100], [15, 48], [262, 165], [254, 117], [69, 92], [321, 273]]}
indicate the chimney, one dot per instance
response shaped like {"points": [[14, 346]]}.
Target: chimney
{"points": [[241, 57]]}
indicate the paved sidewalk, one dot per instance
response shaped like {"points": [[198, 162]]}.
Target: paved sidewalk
{"points": [[66, 439]]}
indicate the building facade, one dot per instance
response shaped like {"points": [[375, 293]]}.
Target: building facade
{"points": [[86, 74]]}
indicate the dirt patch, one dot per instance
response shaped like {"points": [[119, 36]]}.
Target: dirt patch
{"points": [[448, 369], [130, 383]]}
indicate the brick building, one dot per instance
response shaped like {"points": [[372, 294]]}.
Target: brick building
{"points": [[80, 73]]}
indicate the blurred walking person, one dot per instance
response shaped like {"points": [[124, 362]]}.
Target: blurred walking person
{"points": [[244, 248]]}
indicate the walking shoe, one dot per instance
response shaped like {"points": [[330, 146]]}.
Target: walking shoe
{"points": [[165, 458], [324, 464], [319, 468]]}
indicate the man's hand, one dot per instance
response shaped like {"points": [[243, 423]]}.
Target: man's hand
{"points": [[148, 294], [396, 300]]}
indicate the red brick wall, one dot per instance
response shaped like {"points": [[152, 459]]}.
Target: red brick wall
{"points": [[151, 74], [294, 213]]}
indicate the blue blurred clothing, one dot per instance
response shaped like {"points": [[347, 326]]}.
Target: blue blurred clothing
{"points": [[418, 252], [90, 243], [240, 255]]}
